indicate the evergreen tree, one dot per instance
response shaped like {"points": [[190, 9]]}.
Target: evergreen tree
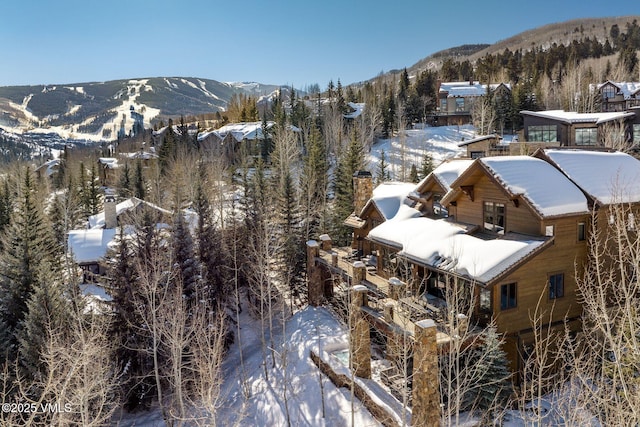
{"points": [[139, 186], [382, 172], [403, 90], [168, 149], [491, 363], [314, 184], [185, 262], [209, 249], [413, 175], [350, 161], [28, 244], [426, 166], [47, 310], [6, 206], [125, 186]]}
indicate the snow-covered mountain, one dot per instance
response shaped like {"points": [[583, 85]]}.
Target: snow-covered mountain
{"points": [[100, 110]]}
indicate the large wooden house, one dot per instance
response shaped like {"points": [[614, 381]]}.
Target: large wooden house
{"points": [[514, 228], [617, 96], [456, 100]]}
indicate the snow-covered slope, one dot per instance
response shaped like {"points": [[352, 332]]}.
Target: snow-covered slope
{"points": [[410, 146]]}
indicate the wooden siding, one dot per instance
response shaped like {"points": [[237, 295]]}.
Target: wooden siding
{"points": [[518, 219], [532, 280]]}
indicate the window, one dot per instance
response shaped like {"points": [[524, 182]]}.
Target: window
{"points": [[477, 154], [460, 104], [494, 217], [543, 133], [608, 92], [586, 136], [508, 296], [556, 286], [443, 105], [582, 232], [636, 133]]}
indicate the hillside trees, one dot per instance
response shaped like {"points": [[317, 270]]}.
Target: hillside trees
{"points": [[27, 244]]}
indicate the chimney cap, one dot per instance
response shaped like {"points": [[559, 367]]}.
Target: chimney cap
{"points": [[362, 174]]}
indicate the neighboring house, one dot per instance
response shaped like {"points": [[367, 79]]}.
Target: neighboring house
{"points": [[515, 230], [582, 130], [506, 145], [49, 168], [617, 96], [456, 99], [108, 170]]}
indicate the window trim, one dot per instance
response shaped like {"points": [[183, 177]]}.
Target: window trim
{"points": [[583, 225], [549, 276], [507, 306], [495, 215]]}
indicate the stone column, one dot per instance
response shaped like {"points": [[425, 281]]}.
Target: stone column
{"points": [[426, 388], [463, 324], [325, 242], [315, 289], [397, 288], [359, 339], [359, 272], [334, 258]]}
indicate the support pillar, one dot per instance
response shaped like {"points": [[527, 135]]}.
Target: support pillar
{"points": [[359, 272], [315, 289], [397, 288], [359, 338], [426, 388]]}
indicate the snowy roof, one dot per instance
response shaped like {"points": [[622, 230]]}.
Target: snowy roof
{"points": [[50, 166], [570, 117], [358, 107], [242, 131], [143, 155], [547, 190], [109, 162], [458, 89], [606, 177], [478, 139], [97, 220], [448, 172], [389, 196], [88, 246], [627, 89], [446, 246]]}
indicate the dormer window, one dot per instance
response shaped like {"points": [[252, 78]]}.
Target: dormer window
{"points": [[494, 217]]}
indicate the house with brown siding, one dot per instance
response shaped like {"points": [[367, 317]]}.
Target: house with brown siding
{"points": [[617, 96]]}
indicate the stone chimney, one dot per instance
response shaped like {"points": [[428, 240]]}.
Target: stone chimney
{"points": [[110, 215], [362, 189]]}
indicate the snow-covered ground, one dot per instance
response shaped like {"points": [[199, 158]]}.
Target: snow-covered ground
{"points": [[440, 142], [304, 331]]}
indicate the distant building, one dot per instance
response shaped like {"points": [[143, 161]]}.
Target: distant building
{"points": [[617, 96], [581, 130], [456, 99]]}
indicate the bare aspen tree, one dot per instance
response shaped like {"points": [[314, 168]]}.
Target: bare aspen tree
{"points": [[614, 135]]}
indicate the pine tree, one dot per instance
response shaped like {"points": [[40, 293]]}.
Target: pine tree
{"points": [[27, 244], [350, 161], [185, 262], [413, 175], [209, 250], [314, 184], [382, 172], [6, 206], [491, 363], [426, 166], [47, 310], [139, 186], [167, 152], [125, 185]]}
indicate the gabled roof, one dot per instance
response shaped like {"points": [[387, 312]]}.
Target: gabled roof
{"points": [[570, 117], [468, 88], [97, 220], [448, 247], [539, 185], [626, 89], [388, 197], [445, 174], [606, 177]]}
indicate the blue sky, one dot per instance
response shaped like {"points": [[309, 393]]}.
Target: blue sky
{"points": [[270, 41]]}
